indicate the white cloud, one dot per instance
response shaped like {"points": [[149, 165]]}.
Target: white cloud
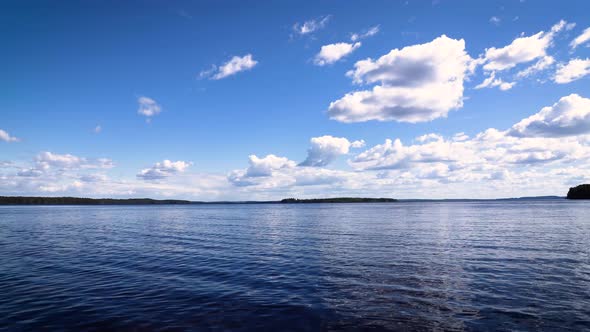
{"points": [[492, 81], [358, 144], [46, 160], [148, 107], [429, 137], [495, 20], [208, 72], [4, 136], [334, 52], [274, 173], [369, 33], [260, 167], [415, 84], [542, 64], [265, 166], [569, 116], [163, 170], [460, 137], [68, 175], [573, 70], [522, 49], [556, 136], [310, 26], [235, 65], [480, 158], [325, 149], [394, 155], [581, 39], [436, 168]]}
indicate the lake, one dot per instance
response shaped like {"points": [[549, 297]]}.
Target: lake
{"points": [[490, 265]]}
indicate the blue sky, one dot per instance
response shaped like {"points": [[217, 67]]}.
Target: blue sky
{"points": [[223, 99]]}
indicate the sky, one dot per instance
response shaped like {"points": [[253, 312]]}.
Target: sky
{"points": [[257, 100]]}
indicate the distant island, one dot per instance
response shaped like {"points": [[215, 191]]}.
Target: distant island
{"points": [[579, 192], [340, 200]]}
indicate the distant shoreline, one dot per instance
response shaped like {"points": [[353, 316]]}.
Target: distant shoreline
{"points": [[33, 200]]}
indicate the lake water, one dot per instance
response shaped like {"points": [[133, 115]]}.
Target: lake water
{"points": [[410, 266]]}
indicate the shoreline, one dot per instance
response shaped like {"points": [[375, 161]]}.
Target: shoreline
{"points": [[77, 201]]}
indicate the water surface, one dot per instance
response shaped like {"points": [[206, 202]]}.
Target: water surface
{"points": [[413, 266]]}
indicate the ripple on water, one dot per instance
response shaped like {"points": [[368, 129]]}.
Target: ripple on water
{"points": [[418, 266]]}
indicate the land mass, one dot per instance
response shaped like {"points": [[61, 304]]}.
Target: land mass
{"points": [[525, 198], [579, 192], [340, 200], [23, 200]]}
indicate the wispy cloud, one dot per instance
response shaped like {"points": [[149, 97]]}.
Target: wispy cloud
{"points": [[573, 70], [6, 137], [148, 107], [495, 20], [235, 65], [312, 25], [581, 39], [368, 33]]}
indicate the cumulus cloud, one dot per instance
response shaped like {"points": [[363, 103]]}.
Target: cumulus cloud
{"points": [[557, 134], [581, 39], [522, 49], [69, 175], [573, 70], [479, 158], [460, 137], [6, 137], [436, 167], [312, 25], [274, 173], [414, 84], [148, 107], [369, 33], [492, 81], [569, 116], [52, 173], [46, 160], [325, 149], [394, 155], [429, 137], [265, 166], [163, 170], [260, 167], [333, 52]]}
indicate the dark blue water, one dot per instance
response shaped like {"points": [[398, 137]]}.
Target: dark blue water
{"points": [[404, 266]]}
